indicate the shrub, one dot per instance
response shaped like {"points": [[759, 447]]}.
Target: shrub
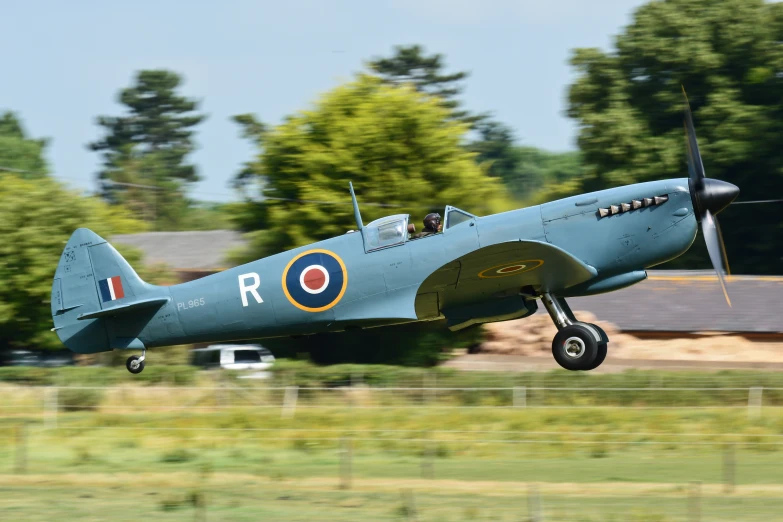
{"points": [[301, 445], [26, 375], [196, 498], [97, 376], [177, 456], [172, 503], [442, 451], [599, 451], [79, 399], [83, 456], [171, 375]]}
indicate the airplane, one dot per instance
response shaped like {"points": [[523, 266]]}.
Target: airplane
{"points": [[475, 270]]}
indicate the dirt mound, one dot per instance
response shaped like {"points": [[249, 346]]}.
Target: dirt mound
{"points": [[532, 337]]}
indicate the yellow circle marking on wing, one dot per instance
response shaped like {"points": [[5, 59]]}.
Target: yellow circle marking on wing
{"points": [[528, 265], [336, 299]]}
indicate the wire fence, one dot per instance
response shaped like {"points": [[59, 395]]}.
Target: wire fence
{"points": [[590, 476], [579, 470], [51, 400]]}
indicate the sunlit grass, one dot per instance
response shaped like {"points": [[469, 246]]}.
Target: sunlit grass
{"points": [[234, 456]]}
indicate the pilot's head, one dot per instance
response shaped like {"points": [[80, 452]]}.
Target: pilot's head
{"points": [[432, 222]]}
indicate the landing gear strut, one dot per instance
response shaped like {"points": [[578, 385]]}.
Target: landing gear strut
{"points": [[135, 364], [577, 345]]}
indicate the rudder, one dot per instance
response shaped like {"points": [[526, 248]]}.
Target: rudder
{"points": [[90, 276]]}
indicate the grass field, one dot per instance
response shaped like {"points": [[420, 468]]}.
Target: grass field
{"points": [[406, 463]]}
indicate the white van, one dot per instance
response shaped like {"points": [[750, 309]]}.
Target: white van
{"points": [[233, 357]]}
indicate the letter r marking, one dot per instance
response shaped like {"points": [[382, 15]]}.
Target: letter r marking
{"points": [[244, 289]]}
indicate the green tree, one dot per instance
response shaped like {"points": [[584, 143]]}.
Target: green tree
{"points": [[18, 152], [493, 142], [542, 176], [144, 152], [251, 214], [254, 131], [210, 216], [398, 146], [628, 103], [495, 148], [36, 219], [530, 173], [409, 64]]}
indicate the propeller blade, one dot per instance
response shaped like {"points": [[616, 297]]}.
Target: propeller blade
{"points": [[695, 165], [715, 248], [757, 201], [722, 246]]}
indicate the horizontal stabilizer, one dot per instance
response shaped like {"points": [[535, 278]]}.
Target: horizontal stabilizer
{"points": [[126, 308], [62, 310]]}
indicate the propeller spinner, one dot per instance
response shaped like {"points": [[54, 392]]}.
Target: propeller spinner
{"points": [[709, 196]]}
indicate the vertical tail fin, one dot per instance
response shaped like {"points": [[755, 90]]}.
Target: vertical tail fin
{"points": [[91, 276]]}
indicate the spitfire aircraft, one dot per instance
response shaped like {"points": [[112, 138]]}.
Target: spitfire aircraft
{"points": [[475, 270]]}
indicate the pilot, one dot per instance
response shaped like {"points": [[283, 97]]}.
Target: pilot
{"points": [[431, 225]]}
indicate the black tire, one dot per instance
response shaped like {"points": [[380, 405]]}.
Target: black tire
{"points": [[601, 332], [575, 348], [599, 357], [133, 366]]}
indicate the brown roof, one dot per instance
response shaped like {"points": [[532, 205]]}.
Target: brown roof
{"points": [[198, 250]]}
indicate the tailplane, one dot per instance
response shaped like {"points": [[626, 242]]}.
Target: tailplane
{"points": [[92, 282]]}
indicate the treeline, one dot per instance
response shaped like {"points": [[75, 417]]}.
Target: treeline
{"points": [[400, 132]]}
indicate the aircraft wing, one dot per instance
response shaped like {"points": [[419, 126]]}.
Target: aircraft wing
{"points": [[501, 270]]}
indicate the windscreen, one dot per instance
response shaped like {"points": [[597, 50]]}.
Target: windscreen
{"points": [[456, 217], [247, 356]]}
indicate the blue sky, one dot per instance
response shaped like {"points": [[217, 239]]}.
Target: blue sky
{"points": [[64, 62]]}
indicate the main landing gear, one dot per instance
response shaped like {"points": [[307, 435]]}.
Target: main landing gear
{"points": [[135, 364], [577, 345]]}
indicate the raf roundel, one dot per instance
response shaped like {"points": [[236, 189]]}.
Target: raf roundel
{"points": [[509, 269], [315, 280]]}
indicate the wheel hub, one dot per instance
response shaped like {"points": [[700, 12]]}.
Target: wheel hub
{"points": [[574, 347]]}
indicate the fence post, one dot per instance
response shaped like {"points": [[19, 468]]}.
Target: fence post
{"points": [[754, 402], [729, 467], [21, 449], [534, 504], [520, 396], [200, 514], [221, 391], [427, 467], [50, 407], [410, 505], [289, 401], [694, 502], [345, 463], [356, 382]]}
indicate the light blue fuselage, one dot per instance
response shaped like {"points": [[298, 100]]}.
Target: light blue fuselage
{"points": [[383, 284]]}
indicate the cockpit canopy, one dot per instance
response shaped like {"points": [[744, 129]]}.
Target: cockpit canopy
{"points": [[393, 230], [386, 232]]}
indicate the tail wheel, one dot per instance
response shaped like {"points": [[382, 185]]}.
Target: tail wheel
{"points": [[575, 348], [134, 364]]}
